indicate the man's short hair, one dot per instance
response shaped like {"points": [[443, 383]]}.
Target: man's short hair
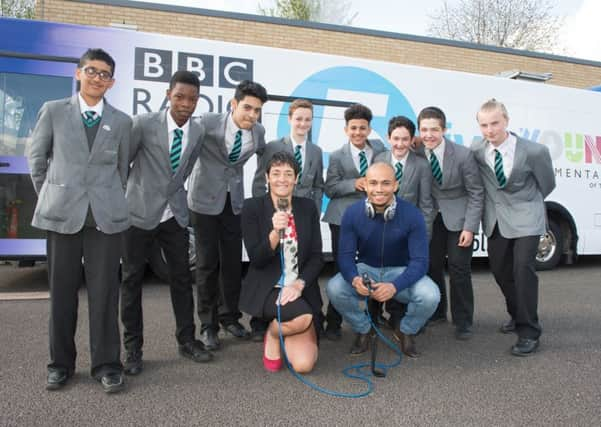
{"points": [[97, 54], [401, 122], [299, 103], [357, 112], [432, 113], [281, 158], [250, 88], [491, 105], [185, 77]]}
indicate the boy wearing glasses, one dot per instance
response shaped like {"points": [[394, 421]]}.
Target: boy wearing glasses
{"points": [[79, 156]]}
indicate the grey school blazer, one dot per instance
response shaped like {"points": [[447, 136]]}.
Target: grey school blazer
{"points": [[460, 198], [311, 183], [340, 180], [69, 178], [519, 207], [151, 184], [416, 184], [213, 173]]}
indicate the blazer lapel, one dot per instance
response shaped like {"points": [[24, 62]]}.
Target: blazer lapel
{"points": [[519, 160], [193, 134], [220, 135], [448, 164], [104, 127], [76, 120], [408, 171], [347, 161]]}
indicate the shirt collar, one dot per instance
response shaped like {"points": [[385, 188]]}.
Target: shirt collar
{"points": [[506, 147], [171, 125], [439, 151], [356, 151], [83, 107], [294, 143]]}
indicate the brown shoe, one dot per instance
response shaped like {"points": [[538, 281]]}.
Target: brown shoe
{"points": [[407, 343]]}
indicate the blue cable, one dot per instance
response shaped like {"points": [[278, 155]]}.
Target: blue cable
{"points": [[353, 371]]}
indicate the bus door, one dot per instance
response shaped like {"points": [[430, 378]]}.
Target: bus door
{"points": [[26, 82]]}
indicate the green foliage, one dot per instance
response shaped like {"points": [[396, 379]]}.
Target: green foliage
{"points": [[18, 8]]}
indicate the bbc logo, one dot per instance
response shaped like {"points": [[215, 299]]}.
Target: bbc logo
{"points": [[158, 65]]}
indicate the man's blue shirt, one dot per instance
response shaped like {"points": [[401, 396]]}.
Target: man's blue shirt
{"points": [[405, 242]]}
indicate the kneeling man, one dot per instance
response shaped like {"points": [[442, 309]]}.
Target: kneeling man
{"points": [[385, 237]]}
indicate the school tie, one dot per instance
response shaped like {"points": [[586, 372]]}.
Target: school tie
{"points": [[499, 169], [362, 163], [398, 172], [176, 149], [298, 156], [90, 118], [237, 148], [436, 171]]}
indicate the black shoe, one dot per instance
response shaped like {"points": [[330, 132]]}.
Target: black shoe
{"points": [[237, 330], [112, 382], [508, 327], [463, 333], [407, 343], [133, 363], [196, 351], [210, 340], [257, 336], [333, 334], [361, 344], [524, 347], [57, 378]]}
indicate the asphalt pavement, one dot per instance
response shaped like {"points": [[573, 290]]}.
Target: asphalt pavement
{"points": [[454, 383]]}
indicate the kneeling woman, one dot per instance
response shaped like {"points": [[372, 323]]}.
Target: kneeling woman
{"points": [[283, 241]]}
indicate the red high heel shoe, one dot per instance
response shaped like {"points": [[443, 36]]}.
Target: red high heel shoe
{"points": [[271, 365]]}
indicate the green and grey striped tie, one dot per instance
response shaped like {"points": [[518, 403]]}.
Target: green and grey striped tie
{"points": [[237, 148], [90, 118], [436, 171], [499, 173], [176, 149], [362, 163], [298, 156], [398, 172]]}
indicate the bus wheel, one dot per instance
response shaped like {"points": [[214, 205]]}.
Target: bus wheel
{"points": [[549, 247]]}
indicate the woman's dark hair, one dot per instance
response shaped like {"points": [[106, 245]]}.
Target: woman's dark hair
{"points": [[282, 158]]}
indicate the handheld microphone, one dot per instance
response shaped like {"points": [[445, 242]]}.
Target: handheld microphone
{"points": [[282, 207], [367, 282]]}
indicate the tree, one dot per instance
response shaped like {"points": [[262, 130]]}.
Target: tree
{"points": [[17, 8], [332, 11], [520, 24]]}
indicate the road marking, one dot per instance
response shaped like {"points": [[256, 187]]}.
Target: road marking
{"points": [[16, 296]]}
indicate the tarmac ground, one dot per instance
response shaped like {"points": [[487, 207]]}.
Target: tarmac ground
{"points": [[454, 383]]}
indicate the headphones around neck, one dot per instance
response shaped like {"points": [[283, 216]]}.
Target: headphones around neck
{"points": [[388, 212]]}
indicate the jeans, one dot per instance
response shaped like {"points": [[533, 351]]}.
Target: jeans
{"points": [[421, 298]]}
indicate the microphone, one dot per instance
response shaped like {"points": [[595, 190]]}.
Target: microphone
{"points": [[282, 207]]}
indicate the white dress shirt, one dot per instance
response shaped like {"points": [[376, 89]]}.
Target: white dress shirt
{"points": [[171, 126], [83, 107], [439, 152], [507, 150], [355, 153], [230, 136]]}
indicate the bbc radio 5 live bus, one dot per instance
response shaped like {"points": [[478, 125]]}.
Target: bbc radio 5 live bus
{"points": [[38, 61]]}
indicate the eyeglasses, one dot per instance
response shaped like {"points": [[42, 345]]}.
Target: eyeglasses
{"points": [[92, 72]]}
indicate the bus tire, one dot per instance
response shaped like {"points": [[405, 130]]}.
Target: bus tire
{"points": [[550, 247]]}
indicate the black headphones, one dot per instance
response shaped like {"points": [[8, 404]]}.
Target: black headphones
{"points": [[388, 212]]}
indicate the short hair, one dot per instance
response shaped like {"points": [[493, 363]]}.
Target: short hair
{"points": [[281, 158], [299, 103], [432, 113], [250, 88], [185, 77], [401, 122], [493, 104], [97, 54], [357, 111]]}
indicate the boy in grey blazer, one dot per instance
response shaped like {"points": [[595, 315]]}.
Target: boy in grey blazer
{"points": [[78, 156], [345, 184], [310, 178], [518, 175], [458, 199], [215, 197], [164, 147], [414, 179]]}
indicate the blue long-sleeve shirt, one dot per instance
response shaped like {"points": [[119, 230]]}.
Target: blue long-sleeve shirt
{"points": [[405, 242]]}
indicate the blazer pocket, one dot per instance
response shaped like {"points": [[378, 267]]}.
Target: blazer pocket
{"points": [[107, 157], [53, 201]]}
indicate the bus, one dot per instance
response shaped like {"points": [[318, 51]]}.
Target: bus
{"points": [[38, 61]]}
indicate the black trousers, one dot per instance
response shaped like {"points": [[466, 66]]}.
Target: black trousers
{"points": [[333, 318], [512, 262], [101, 253], [173, 240], [218, 266], [443, 246]]}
